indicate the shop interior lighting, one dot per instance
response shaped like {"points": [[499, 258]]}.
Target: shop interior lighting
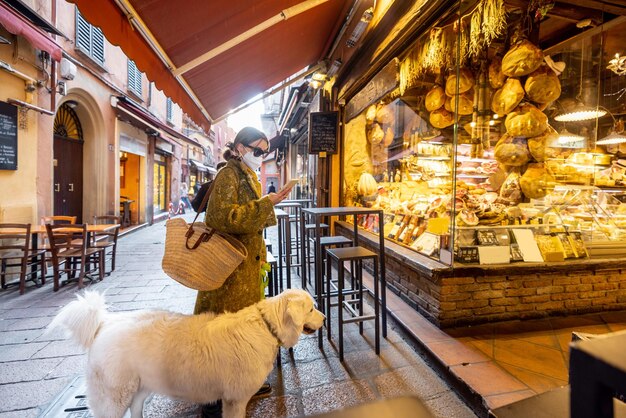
{"points": [[316, 84], [618, 65], [566, 137], [360, 27], [616, 134], [319, 76], [580, 111]]}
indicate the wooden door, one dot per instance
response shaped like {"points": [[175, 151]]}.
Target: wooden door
{"points": [[68, 164], [68, 177]]}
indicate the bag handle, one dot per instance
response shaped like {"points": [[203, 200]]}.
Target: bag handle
{"points": [[204, 237]]}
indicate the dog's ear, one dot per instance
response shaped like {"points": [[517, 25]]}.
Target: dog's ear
{"points": [[295, 312]]}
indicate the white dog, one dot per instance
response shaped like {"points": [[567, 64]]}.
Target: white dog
{"points": [[199, 358]]}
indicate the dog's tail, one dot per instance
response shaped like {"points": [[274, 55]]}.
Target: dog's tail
{"points": [[82, 318]]}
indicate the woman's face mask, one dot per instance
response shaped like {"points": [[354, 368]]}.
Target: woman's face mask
{"points": [[251, 161]]}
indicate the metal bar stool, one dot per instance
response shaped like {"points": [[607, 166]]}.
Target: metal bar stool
{"points": [[309, 234], [353, 306]]}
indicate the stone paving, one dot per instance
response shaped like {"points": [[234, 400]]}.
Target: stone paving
{"points": [[35, 367]]}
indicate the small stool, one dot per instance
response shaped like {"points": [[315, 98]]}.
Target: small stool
{"points": [[356, 254], [328, 242], [272, 287]]}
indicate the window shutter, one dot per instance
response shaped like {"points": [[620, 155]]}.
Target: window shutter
{"points": [[168, 109], [83, 33], [134, 78], [97, 45]]}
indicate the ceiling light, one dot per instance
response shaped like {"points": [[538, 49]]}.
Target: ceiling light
{"points": [[566, 137], [611, 139], [618, 65], [360, 27], [580, 112]]}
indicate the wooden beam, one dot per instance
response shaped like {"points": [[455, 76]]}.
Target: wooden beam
{"points": [[612, 7], [564, 11]]}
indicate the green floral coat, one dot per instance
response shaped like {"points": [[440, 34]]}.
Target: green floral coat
{"points": [[236, 208]]}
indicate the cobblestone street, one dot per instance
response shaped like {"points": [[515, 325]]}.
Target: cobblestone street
{"points": [[35, 368]]}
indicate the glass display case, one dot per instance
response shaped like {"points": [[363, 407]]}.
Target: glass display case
{"points": [[494, 150]]}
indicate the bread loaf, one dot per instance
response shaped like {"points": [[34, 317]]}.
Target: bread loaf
{"points": [[536, 181], [441, 118], [508, 97], [435, 98], [522, 59], [512, 151], [526, 121], [466, 82], [543, 86]]}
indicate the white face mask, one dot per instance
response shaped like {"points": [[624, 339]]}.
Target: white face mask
{"points": [[251, 161]]}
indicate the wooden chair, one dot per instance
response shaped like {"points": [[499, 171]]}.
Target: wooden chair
{"points": [[58, 220], [71, 254], [106, 240], [15, 252]]}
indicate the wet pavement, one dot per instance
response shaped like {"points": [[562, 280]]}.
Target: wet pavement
{"points": [[35, 368]]}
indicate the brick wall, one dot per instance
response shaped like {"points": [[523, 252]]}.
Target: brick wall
{"points": [[455, 298]]}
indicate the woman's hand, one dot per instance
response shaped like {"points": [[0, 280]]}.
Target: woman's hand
{"points": [[280, 195]]}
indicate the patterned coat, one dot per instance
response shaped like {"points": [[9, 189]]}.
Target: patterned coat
{"points": [[236, 208]]}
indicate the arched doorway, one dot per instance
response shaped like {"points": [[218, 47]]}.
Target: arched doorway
{"points": [[68, 163]]}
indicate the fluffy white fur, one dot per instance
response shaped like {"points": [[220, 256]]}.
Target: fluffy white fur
{"points": [[199, 358]]}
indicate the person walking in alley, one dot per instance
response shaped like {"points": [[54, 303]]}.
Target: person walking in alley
{"points": [[271, 188], [184, 195], [236, 207]]}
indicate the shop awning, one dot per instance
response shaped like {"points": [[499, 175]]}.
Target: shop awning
{"points": [[203, 167], [17, 24], [165, 37], [136, 115]]}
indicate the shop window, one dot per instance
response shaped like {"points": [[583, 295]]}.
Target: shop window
{"points": [[169, 117], [491, 149], [134, 79], [89, 39], [160, 184]]}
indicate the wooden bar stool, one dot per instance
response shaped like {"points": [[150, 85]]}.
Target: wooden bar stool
{"points": [[353, 306]]}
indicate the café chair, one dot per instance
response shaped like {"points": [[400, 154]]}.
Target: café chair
{"points": [[106, 240], [16, 255], [58, 220], [71, 254]]}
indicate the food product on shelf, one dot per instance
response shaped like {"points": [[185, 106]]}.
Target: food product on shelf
{"points": [[543, 85], [367, 185], [522, 59], [536, 181], [466, 217], [370, 114], [466, 82], [526, 120], [511, 190], [441, 118], [496, 76], [435, 98], [466, 103], [512, 151], [384, 115], [538, 145], [508, 97]]}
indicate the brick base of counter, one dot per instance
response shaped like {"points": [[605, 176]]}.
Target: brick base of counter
{"points": [[450, 297]]}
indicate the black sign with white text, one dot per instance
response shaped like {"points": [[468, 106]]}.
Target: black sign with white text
{"points": [[8, 136]]}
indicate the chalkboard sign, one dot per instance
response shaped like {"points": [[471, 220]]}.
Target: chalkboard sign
{"points": [[323, 129], [8, 136]]}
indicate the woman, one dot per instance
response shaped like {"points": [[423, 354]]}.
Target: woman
{"points": [[184, 196], [236, 207]]}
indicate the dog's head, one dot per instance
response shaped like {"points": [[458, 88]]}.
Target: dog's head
{"points": [[295, 314]]}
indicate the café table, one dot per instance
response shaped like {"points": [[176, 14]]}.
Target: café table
{"points": [[37, 229], [318, 214]]}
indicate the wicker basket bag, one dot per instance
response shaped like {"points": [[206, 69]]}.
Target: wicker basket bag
{"points": [[200, 257]]}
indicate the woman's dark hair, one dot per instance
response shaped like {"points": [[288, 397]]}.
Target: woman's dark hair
{"points": [[246, 136]]}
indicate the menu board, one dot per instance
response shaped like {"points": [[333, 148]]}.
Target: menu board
{"points": [[8, 136], [323, 129]]}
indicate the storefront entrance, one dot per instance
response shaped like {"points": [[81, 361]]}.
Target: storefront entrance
{"points": [[68, 164], [160, 184]]}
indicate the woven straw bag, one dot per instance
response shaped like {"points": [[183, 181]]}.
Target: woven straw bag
{"points": [[200, 257]]}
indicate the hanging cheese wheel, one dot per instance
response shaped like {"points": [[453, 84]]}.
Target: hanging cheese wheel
{"points": [[435, 98], [522, 59], [543, 86], [512, 151], [496, 76], [441, 118], [466, 103], [511, 191], [508, 97], [538, 145], [536, 181], [466, 82], [527, 121]]}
